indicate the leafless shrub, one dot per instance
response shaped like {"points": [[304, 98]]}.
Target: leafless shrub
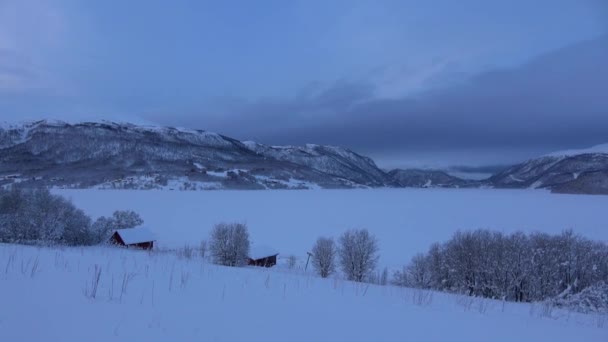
{"points": [[291, 262], [186, 252], [126, 279], [185, 276], [422, 297], [203, 248], [483, 305], [465, 301], [91, 287], [9, 262], [601, 320], [542, 309], [34, 268]]}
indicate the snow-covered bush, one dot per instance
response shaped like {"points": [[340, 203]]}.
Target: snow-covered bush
{"points": [[592, 299], [126, 219], [37, 216], [358, 254], [324, 256], [229, 244], [515, 267], [103, 227]]}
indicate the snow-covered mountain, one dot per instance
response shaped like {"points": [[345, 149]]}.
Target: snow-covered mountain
{"points": [[113, 155], [571, 171], [416, 178]]}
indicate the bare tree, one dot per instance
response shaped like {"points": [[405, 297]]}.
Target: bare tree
{"points": [[358, 254], [323, 256], [229, 244], [418, 272]]}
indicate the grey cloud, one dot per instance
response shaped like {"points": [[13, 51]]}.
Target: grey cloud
{"points": [[558, 100]]}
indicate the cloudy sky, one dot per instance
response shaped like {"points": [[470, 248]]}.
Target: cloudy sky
{"points": [[410, 83]]}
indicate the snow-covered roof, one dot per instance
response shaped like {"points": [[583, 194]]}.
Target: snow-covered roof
{"points": [[135, 235], [259, 252]]}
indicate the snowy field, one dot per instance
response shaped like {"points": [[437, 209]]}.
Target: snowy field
{"points": [[50, 295], [113, 294], [406, 221]]}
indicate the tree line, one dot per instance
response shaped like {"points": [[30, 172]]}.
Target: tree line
{"points": [[35, 216], [515, 267]]}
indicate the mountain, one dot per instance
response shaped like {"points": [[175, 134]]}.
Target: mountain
{"points": [[331, 160], [572, 171], [416, 178], [109, 155], [117, 155]]}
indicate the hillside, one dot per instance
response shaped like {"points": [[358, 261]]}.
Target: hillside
{"points": [[109, 155], [109, 294], [571, 171], [113, 155]]}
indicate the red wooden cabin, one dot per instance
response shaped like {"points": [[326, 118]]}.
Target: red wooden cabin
{"points": [[138, 237]]}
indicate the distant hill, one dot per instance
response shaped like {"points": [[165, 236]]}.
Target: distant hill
{"points": [[111, 155], [572, 171]]}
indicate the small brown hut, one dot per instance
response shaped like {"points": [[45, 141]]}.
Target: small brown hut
{"points": [[139, 237], [262, 256]]}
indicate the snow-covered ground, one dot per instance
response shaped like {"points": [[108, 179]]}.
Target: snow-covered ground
{"points": [[48, 294], [406, 221]]}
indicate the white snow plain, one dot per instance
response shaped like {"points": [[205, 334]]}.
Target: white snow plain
{"points": [[405, 221], [48, 294]]}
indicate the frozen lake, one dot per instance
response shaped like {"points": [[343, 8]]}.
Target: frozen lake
{"points": [[405, 221]]}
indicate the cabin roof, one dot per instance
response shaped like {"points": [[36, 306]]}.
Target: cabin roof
{"points": [[260, 252], [135, 235]]}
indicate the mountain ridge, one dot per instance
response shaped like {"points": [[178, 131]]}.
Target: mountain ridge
{"points": [[111, 155]]}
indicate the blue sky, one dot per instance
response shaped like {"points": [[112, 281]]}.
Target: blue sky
{"points": [[289, 66]]}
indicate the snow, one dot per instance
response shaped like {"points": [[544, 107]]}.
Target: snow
{"points": [[261, 251], [405, 221], [158, 297], [136, 235], [222, 174], [513, 178], [603, 148], [536, 184]]}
